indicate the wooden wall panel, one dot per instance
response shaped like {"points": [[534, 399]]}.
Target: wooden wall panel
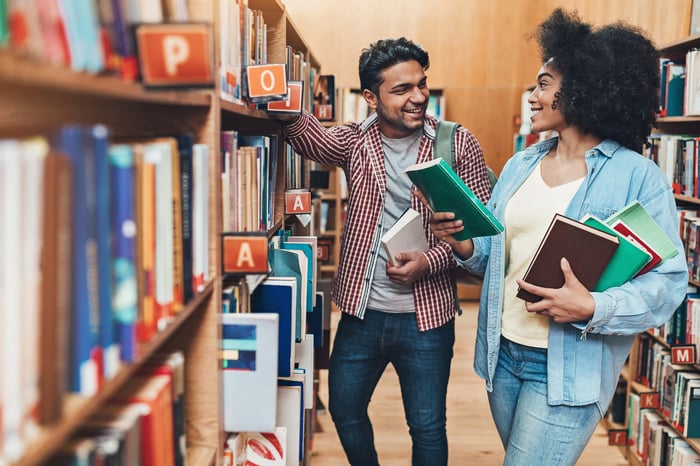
{"points": [[479, 52]]}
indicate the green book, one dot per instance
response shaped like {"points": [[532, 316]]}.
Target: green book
{"points": [[446, 192], [625, 264], [635, 217], [4, 24]]}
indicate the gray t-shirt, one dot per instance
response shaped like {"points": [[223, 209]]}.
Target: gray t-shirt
{"points": [[386, 295]]}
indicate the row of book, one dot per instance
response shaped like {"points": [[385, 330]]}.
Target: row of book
{"points": [[653, 442], [84, 35], [677, 156], [679, 92], [271, 343], [103, 246], [249, 170], [144, 424], [243, 42], [659, 426]]}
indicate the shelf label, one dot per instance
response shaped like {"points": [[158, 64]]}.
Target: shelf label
{"points": [[650, 400], [266, 81], [297, 202], [683, 354], [244, 253], [175, 54], [292, 103], [617, 437]]}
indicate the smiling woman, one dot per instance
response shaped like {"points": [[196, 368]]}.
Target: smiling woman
{"points": [[551, 367]]}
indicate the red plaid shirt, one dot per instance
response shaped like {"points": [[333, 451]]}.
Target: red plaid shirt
{"points": [[357, 148]]}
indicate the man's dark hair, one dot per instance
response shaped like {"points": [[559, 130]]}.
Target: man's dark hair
{"points": [[385, 53], [610, 76]]}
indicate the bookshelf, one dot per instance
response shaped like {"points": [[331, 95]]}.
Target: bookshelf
{"points": [[654, 343], [38, 98]]}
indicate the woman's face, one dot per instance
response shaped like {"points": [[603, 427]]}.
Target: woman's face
{"points": [[545, 102]]}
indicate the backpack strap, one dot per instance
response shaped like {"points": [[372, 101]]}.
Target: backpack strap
{"points": [[444, 145]]}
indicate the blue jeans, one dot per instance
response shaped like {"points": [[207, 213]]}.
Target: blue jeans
{"points": [[532, 431], [361, 351]]}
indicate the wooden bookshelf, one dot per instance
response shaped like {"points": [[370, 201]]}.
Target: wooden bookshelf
{"points": [[38, 98]]}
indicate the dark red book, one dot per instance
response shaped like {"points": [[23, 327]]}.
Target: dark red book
{"points": [[587, 249]]}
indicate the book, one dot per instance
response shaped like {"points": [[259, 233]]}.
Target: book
{"points": [[622, 228], [638, 220], [279, 295], [446, 192], [248, 354], [405, 235], [587, 249], [54, 295], [627, 261], [123, 239]]}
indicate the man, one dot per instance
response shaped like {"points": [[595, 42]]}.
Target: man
{"points": [[402, 315]]}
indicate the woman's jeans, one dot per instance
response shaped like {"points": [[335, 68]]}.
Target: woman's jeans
{"points": [[532, 431], [361, 351]]}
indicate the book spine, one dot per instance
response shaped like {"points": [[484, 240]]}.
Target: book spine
{"points": [[124, 292], [83, 369], [110, 349], [185, 142]]}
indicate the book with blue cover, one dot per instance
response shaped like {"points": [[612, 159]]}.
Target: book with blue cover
{"points": [[278, 295], [124, 289]]}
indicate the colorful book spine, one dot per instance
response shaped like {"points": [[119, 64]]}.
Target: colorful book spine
{"points": [[124, 291], [83, 367]]}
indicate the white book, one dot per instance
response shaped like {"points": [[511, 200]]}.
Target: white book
{"points": [[200, 216], [304, 359], [289, 415], [248, 354], [406, 235], [10, 299], [159, 154]]}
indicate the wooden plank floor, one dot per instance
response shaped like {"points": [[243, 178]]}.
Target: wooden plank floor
{"points": [[471, 434]]}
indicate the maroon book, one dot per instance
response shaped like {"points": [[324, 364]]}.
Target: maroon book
{"points": [[587, 249]]}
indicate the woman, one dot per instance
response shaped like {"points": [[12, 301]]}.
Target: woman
{"points": [[551, 367]]}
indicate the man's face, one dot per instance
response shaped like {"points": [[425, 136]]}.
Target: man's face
{"points": [[402, 99]]}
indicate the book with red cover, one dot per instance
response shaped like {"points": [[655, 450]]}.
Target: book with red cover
{"points": [[622, 228], [587, 249]]}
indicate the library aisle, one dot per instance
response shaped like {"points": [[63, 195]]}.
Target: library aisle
{"points": [[471, 434]]}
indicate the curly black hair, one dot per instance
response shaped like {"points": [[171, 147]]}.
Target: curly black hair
{"points": [[385, 53], [610, 76]]}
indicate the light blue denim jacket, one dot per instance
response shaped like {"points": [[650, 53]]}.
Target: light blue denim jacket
{"points": [[586, 358]]}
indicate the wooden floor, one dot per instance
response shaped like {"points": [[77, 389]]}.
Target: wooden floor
{"points": [[471, 434]]}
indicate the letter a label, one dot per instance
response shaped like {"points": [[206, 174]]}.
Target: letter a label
{"points": [[245, 254], [297, 202]]}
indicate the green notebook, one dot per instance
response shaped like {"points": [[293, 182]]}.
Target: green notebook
{"points": [[635, 216], [624, 265], [446, 192]]}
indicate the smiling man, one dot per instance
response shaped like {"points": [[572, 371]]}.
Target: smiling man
{"points": [[403, 315]]}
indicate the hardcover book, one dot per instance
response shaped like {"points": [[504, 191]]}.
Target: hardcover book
{"points": [[625, 264], [587, 249], [638, 220], [446, 192], [405, 235]]}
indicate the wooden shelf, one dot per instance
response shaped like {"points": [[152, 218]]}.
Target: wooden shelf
{"points": [[77, 408], [21, 71]]}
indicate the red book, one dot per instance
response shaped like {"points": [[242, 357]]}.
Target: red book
{"points": [[627, 232]]}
